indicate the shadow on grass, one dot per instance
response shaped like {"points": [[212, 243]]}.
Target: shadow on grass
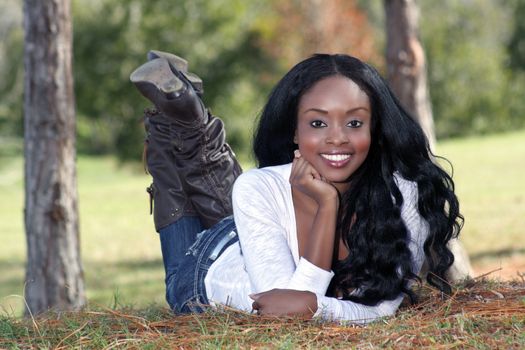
{"points": [[11, 277], [123, 273], [127, 264], [133, 282], [142, 280], [507, 252], [9, 264]]}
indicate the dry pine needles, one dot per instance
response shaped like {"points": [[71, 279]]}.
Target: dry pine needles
{"points": [[481, 314]]}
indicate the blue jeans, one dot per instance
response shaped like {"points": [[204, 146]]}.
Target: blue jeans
{"points": [[187, 253]]}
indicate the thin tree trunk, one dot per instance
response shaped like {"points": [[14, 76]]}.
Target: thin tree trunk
{"points": [[407, 76], [406, 66], [54, 276]]}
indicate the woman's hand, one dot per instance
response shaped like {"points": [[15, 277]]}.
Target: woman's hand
{"points": [[306, 179], [316, 238], [285, 302]]}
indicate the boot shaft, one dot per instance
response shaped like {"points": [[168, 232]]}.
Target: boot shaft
{"points": [[193, 170], [192, 166]]}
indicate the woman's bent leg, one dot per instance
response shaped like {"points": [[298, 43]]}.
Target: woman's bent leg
{"points": [[208, 169], [175, 240], [193, 167], [168, 199]]}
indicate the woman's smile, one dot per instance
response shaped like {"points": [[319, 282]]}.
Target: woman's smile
{"points": [[337, 160]]}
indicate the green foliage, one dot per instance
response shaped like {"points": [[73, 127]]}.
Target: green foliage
{"points": [[516, 74], [469, 83], [216, 37], [11, 69], [219, 38], [468, 45], [516, 45]]}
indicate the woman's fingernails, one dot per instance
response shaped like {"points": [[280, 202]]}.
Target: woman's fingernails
{"points": [[297, 153]]}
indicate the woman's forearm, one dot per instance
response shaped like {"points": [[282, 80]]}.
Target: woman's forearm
{"points": [[319, 248]]}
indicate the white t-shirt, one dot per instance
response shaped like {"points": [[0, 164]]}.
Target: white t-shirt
{"points": [[265, 219]]}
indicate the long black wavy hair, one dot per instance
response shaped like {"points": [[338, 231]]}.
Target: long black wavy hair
{"points": [[369, 221]]}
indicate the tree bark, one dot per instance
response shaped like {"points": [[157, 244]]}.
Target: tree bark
{"points": [[54, 276], [406, 66], [407, 76]]}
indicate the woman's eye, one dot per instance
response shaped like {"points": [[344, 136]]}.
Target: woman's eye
{"points": [[355, 123], [317, 124]]}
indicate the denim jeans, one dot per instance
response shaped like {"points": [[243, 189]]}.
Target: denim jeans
{"points": [[188, 252]]}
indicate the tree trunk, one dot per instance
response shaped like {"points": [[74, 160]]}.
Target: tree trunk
{"points": [[54, 276], [406, 66], [407, 76]]}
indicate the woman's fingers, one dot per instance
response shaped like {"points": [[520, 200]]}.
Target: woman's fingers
{"points": [[314, 172], [302, 167], [303, 171], [305, 178], [297, 156], [297, 168], [303, 174]]}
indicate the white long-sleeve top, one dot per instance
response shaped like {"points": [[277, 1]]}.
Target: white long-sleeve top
{"points": [[265, 219]]}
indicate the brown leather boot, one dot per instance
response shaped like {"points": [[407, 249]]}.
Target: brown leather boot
{"points": [[208, 168], [192, 166], [166, 191]]}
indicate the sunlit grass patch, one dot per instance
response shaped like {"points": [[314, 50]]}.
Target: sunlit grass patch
{"points": [[489, 174]]}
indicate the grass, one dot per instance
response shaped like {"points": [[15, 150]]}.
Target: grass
{"points": [[489, 173], [119, 247], [123, 266], [481, 315]]}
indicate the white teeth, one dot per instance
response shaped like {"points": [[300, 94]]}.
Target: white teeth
{"points": [[336, 157]]}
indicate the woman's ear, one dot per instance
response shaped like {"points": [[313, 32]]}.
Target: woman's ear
{"points": [[295, 138]]}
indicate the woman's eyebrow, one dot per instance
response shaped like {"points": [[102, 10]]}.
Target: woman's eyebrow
{"points": [[320, 110]]}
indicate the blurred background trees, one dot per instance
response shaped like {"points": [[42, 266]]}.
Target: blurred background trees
{"points": [[472, 85], [475, 52]]}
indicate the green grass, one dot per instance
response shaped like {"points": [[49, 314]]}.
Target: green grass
{"points": [[490, 181], [120, 249], [119, 246]]}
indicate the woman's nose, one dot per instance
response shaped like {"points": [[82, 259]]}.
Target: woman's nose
{"points": [[337, 136]]}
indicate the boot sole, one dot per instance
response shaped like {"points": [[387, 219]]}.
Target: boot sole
{"points": [[180, 64], [159, 74]]}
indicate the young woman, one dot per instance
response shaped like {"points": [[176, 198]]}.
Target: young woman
{"points": [[336, 222]]}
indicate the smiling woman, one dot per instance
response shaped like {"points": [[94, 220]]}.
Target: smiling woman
{"points": [[333, 128], [335, 223]]}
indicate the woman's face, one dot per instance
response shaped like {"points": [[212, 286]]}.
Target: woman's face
{"points": [[333, 128]]}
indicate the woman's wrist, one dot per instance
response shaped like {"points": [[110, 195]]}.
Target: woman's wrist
{"points": [[329, 203], [320, 244]]}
